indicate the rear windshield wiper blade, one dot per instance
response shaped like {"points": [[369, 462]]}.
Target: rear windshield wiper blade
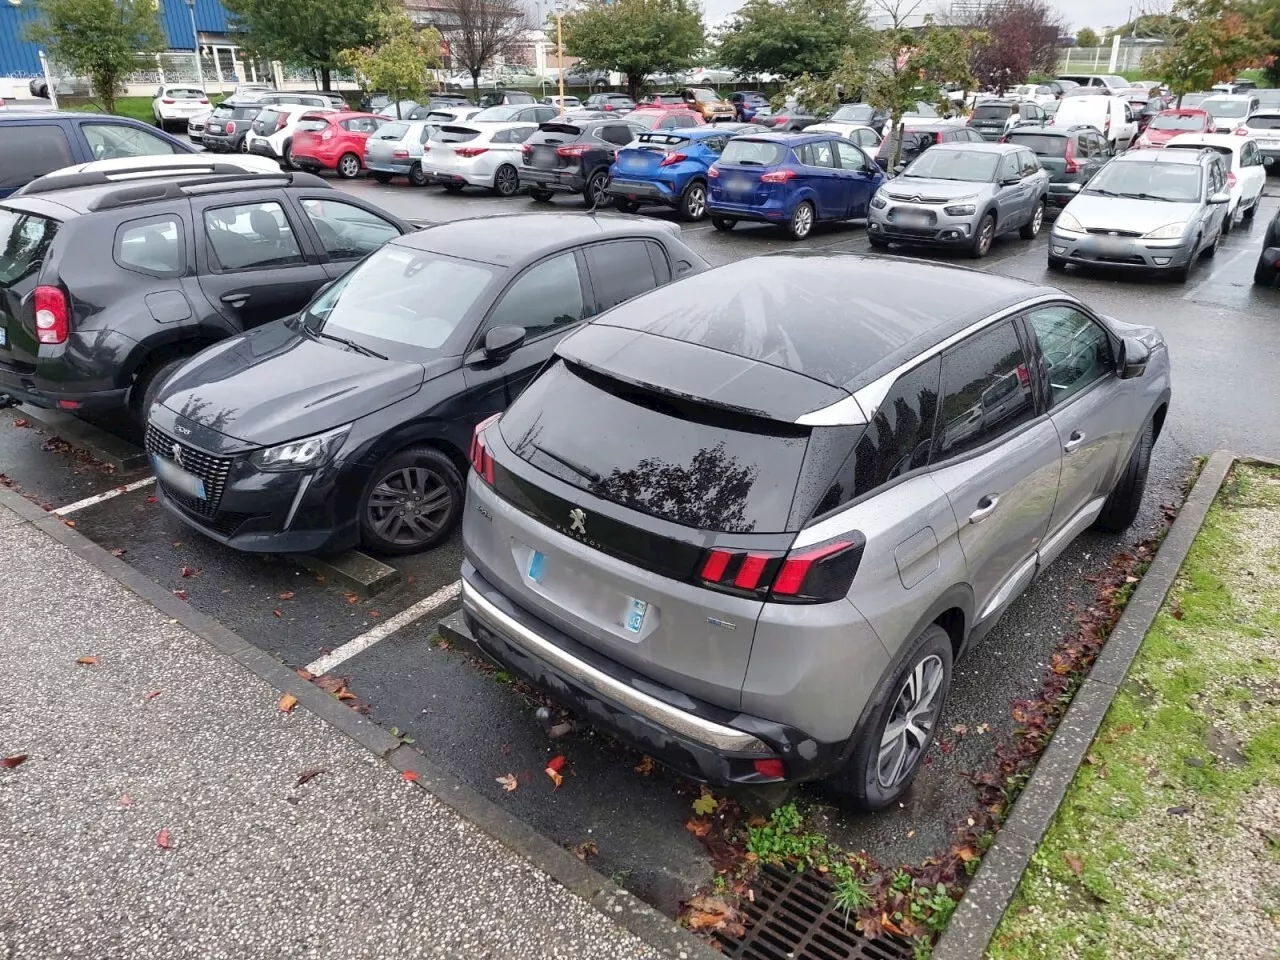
{"points": [[357, 347], [585, 472]]}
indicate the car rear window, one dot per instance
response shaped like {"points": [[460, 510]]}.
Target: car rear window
{"points": [[312, 124], [450, 134], [24, 241], [679, 460], [391, 131], [184, 93], [30, 150], [1263, 123], [663, 140], [756, 153], [557, 132], [1177, 121], [992, 111], [267, 119], [1040, 144], [854, 113]]}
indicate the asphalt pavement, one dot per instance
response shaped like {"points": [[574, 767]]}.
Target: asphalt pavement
{"points": [[1224, 338]]}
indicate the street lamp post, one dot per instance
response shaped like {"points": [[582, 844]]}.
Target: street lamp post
{"points": [[560, 51], [195, 38]]}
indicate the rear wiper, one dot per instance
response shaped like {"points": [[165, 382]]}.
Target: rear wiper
{"points": [[750, 163], [584, 472], [357, 347]]}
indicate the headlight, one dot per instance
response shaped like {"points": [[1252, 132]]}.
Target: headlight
{"points": [[1170, 231], [960, 210], [878, 201], [1068, 223], [305, 454]]}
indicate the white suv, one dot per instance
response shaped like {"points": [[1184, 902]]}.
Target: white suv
{"points": [[271, 133], [174, 106]]}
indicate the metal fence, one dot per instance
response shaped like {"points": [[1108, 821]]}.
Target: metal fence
{"points": [[1098, 59]]}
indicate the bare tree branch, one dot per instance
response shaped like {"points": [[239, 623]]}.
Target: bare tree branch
{"points": [[477, 31]]}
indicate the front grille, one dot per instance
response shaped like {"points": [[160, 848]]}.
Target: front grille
{"points": [[212, 470], [917, 198], [793, 918], [923, 233], [1104, 232]]}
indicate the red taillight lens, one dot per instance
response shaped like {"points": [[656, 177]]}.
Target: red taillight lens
{"points": [[608, 107], [769, 768], [749, 572], [816, 574], [51, 315], [778, 176], [573, 150], [527, 150], [717, 561], [1106, 125], [1231, 181], [779, 121], [470, 151], [167, 100], [231, 127], [402, 154], [204, 99], [1073, 165], [713, 173], [1241, 132], [481, 458], [671, 158], [799, 565]]}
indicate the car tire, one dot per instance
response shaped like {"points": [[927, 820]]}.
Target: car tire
{"points": [[1122, 504], [424, 473], [1031, 230], [386, 177], [983, 237], [1248, 214], [623, 205], [693, 202], [348, 166], [1211, 250], [243, 146], [540, 196], [1265, 274], [1228, 221], [802, 218], [881, 768], [723, 224], [506, 181], [877, 243], [286, 156], [595, 193], [147, 384]]}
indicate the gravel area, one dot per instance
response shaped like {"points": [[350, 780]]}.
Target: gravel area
{"points": [[164, 741]]}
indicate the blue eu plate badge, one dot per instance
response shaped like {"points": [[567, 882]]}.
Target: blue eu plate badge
{"points": [[635, 616], [535, 566]]}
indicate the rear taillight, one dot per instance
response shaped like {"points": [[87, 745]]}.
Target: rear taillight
{"points": [[1073, 165], [51, 315], [608, 107], [231, 126], [671, 158], [1231, 181], [778, 176], [779, 121], [527, 150], [402, 154], [937, 136], [167, 100], [470, 151], [1241, 132], [713, 173], [573, 150], [280, 122], [816, 574], [204, 99], [481, 458]]}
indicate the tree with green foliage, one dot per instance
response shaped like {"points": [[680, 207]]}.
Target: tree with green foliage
{"points": [[1088, 38], [100, 40], [398, 64], [635, 37], [307, 33], [791, 37], [902, 67], [1267, 13], [1209, 41]]}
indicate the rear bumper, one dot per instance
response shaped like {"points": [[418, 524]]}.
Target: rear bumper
{"points": [[262, 147], [399, 168], [650, 191], [561, 180], [701, 741], [773, 211], [221, 143], [28, 391], [1060, 195]]}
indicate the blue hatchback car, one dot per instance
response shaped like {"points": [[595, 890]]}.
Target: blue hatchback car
{"points": [[667, 167], [793, 179]]}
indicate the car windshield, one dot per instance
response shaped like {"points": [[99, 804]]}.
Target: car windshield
{"points": [[1114, 82], [391, 131], [992, 111], [497, 113], [1041, 144], [312, 124], [1148, 180], [1225, 108], [401, 297], [753, 153], [974, 165], [705, 96], [854, 113], [1177, 121]]}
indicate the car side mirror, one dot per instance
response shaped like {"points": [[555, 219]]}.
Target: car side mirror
{"points": [[897, 171], [1133, 359], [1074, 187], [1010, 181], [1220, 198], [500, 342]]}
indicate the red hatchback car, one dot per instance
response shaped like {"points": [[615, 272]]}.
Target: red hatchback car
{"points": [[1167, 124], [664, 117], [334, 141]]}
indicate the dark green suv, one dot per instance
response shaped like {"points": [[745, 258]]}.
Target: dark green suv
{"points": [[1072, 155]]}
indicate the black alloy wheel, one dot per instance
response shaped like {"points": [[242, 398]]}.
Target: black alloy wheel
{"points": [[412, 502]]}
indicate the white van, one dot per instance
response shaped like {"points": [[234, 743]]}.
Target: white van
{"points": [[1110, 81], [1112, 115]]}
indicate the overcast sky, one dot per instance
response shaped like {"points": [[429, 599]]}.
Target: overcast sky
{"points": [[1077, 14]]}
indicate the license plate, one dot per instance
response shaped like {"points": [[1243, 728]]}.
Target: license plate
{"points": [[912, 219], [4, 337], [177, 478], [739, 185], [636, 612], [1269, 143]]}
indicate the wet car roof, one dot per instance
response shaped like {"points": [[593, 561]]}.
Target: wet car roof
{"points": [[512, 239]]}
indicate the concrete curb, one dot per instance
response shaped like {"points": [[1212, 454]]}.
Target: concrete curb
{"points": [[620, 906], [984, 903]]}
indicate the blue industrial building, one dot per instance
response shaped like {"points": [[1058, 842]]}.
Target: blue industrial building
{"points": [[19, 58]]}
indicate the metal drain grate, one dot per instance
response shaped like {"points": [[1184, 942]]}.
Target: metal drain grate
{"points": [[793, 918]]}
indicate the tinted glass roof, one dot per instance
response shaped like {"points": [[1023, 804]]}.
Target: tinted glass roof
{"points": [[829, 316], [511, 239]]}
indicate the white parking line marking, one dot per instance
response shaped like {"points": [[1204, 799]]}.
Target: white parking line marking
{"points": [[1216, 276], [384, 630], [109, 495]]}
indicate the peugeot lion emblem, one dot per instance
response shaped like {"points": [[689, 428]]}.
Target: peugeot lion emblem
{"points": [[177, 454], [577, 521]]}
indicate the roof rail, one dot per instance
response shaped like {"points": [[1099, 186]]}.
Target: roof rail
{"points": [[189, 185], [93, 178]]}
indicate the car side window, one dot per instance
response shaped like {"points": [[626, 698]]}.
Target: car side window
{"points": [[1010, 168], [547, 297], [155, 246], [900, 435], [346, 231], [851, 158], [1076, 351], [867, 138], [817, 154], [28, 151], [107, 141], [986, 391], [620, 270], [249, 235], [1030, 166], [616, 133], [974, 136]]}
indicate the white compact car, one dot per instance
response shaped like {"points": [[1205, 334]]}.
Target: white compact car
{"points": [[1246, 169], [485, 154], [271, 133], [175, 106], [859, 133], [1229, 111], [1263, 128]]}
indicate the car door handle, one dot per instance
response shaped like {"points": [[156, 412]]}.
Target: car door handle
{"points": [[236, 300], [986, 506], [1073, 441]]}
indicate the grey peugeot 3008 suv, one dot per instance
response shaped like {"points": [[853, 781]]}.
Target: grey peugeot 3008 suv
{"points": [[747, 522]]}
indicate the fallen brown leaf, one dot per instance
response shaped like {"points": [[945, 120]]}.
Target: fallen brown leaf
{"points": [[308, 775], [69, 523], [410, 775], [17, 760], [22, 422], [152, 695], [304, 674], [966, 854], [645, 767], [176, 544], [277, 613], [287, 703], [352, 597], [959, 729], [588, 848], [164, 840], [117, 552], [87, 661], [509, 782], [345, 694], [1076, 865], [374, 614], [180, 594], [699, 828], [287, 595], [190, 572], [126, 800]]}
